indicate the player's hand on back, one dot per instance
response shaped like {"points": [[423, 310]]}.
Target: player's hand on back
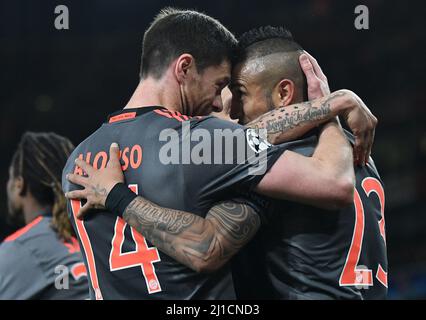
{"points": [[357, 116], [98, 183], [363, 126]]}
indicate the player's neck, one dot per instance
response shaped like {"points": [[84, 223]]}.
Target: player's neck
{"points": [[151, 92], [32, 209]]}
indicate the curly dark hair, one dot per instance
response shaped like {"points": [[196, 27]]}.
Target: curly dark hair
{"points": [[39, 160]]}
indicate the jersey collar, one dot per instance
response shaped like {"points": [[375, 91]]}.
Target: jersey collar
{"points": [[130, 113]]}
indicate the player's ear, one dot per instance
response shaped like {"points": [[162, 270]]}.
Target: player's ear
{"points": [[283, 93], [184, 66], [19, 185]]}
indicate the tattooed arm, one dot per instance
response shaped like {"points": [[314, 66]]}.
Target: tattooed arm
{"points": [[287, 123], [290, 122], [202, 244]]}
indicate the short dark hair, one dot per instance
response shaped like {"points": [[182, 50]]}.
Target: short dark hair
{"points": [[39, 160], [268, 40], [265, 40], [174, 32]]}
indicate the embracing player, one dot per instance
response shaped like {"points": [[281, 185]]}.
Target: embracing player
{"points": [[303, 253], [121, 263]]}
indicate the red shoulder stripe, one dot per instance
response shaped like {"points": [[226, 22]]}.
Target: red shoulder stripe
{"points": [[163, 113], [23, 230], [72, 245], [172, 114], [176, 115]]}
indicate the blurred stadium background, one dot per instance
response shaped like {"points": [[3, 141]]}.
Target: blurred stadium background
{"points": [[67, 81]]}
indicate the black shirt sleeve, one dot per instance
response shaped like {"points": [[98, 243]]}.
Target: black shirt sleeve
{"points": [[239, 158]]}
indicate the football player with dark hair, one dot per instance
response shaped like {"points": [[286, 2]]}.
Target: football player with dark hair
{"points": [[29, 258], [121, 263]]}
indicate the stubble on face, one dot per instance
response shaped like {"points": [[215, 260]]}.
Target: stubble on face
{"points": [[208, 87], [251, 99]]}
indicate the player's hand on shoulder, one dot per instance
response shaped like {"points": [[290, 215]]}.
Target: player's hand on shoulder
{"points": [[356, 115], [316, 80], [98, 183]]}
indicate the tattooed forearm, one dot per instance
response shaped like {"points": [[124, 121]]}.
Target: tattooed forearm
{"points": [[290, 122], [237, 224], [297, 117], [151, 216], [235, 221], [201, 244]]}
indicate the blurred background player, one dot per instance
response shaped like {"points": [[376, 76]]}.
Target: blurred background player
{"points": [[31, 259]]}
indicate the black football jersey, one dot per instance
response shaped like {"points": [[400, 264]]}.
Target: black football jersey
{"points": [[308, 253], [163, 161]]}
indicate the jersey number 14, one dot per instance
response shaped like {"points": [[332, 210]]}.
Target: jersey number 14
{"points": [[143, 256]]}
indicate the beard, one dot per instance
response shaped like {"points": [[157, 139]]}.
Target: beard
{"points": [[192, 104]]}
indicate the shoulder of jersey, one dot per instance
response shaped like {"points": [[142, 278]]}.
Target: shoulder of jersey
{"points": [[32, 229], [77, 150], [175, 115]]}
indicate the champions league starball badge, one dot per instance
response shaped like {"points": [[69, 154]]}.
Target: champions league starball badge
{"points": [[255, 140]]}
